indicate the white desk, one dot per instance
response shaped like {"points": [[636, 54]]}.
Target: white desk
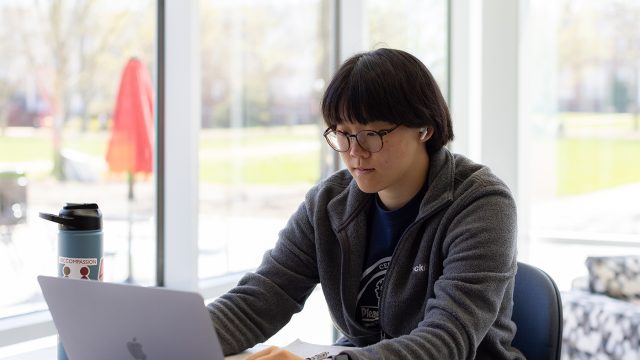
{"points": [[46, 348]]}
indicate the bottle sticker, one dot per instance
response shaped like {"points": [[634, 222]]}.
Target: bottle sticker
{"points": [[101, 269], [77, 268]]}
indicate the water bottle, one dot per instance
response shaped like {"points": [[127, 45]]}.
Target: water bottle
{"points": [[79, 245]]}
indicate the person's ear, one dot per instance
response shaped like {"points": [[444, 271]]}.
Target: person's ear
{"points": [[425, 133]]}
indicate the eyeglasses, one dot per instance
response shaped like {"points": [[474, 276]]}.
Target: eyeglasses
{"points": [[369, 140]]}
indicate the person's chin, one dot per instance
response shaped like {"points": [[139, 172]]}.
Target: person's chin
{"points": [[367, 187]]}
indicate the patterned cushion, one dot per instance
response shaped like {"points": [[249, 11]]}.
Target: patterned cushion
{"points": [[599, 327], [615, 276]]}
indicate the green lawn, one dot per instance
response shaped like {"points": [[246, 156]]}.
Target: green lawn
{"points": [[24, 149], [217, 165], [281, 155], [266, 155], [597, 121], [608, 158], [585, 165], [281, 169]]}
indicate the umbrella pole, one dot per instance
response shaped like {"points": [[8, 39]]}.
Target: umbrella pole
{"points": [[129, 278], [130, 180], [130, 229]]}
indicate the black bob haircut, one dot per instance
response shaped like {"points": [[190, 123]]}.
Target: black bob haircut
{"points": [[388, 85]]}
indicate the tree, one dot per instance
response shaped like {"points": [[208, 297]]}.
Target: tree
{"points": [[627, 52], [74, 50], [580, 44]]}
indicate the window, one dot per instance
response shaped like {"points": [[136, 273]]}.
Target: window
{"points": [[416, 26], [59, 79], [584, 126], [264, 67]]}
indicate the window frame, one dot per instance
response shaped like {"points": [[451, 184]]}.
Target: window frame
{"points": [[175, 142]]}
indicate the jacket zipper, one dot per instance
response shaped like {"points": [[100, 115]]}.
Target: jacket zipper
{"points": [[383, 335]]}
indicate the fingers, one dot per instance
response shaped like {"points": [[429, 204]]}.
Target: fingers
{"points": [[265, 352], [273, 353]]}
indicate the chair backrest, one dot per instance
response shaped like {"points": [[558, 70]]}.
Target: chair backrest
{"points": [[537, 312]]}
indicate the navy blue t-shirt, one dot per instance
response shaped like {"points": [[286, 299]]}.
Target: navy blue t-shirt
{"points": [[385, 229]]}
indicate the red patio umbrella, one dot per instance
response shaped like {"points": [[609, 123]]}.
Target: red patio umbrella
{"points": [[131, 144]]}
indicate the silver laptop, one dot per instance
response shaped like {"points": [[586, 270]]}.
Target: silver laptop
{"points": [[97, 320]]}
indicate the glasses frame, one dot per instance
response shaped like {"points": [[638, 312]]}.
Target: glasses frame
{"points": [[380, 133]]}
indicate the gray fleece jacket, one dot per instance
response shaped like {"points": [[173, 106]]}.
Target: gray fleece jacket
{"points": [[447, 293]]}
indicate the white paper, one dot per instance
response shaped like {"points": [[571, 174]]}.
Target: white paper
{"points": [[245, 354], [298, 347], [306, 349]]}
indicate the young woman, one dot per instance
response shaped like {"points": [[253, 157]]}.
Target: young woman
{"points": [[414, 247]]}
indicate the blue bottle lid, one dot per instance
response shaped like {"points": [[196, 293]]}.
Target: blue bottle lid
{"points": [[77, 217]]}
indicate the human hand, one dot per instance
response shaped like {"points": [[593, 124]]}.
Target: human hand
{"points": [[274, 353]]}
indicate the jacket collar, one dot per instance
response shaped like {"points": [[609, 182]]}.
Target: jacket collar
{"points": [[347, 205], [352, 201], [440, 182]]}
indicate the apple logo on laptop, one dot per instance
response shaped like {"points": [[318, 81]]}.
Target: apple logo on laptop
{"points": [[135, 348]]}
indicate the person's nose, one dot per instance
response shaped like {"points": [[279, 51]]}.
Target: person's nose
{"points": [[358, 151]]}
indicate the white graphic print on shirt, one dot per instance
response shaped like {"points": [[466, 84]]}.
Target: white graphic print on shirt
{"points": [[370, 291]]}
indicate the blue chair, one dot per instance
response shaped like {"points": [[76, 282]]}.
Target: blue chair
{"points": [[537, 312]]}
